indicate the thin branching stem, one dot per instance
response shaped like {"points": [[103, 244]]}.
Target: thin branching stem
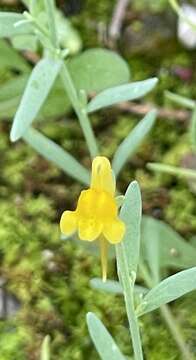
{"points": [[80, 111], [69, 85], [50, 9], [128, 290]]}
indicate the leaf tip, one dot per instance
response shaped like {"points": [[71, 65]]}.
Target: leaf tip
{"points": [[134, 185], [13, 135], [155, 79], [89, 317]]}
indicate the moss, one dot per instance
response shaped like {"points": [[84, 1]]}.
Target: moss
{"points": [[181, 210], [12, 345], [50, 277]]}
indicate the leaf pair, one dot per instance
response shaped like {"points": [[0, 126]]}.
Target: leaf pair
{"points": [[119, 94], [166, 291], [91, 71]]}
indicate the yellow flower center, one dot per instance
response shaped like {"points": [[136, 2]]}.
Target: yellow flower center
{"points": [[97, 205]]}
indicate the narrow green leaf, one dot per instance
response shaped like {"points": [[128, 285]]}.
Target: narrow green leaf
{"points": [[10, 59], [121, 93], [53, 152], [25, 43], [168, 290], [56, 104], [103, 341], [173, 170], [13, 87], [51, 20], [131, 143], [36, 92], [130, 214], [151, 246], [180, 100], [97, 69], [114, 287], [8, 108], [110, 286], [45, 350], [193, 129], [7, 28], [174, 251]]}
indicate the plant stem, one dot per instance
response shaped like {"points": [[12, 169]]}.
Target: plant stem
{"points": [[80, 111], [69, 86], [50, 8], [128, 287], [173, 170], [175, 330], [168, 318]]}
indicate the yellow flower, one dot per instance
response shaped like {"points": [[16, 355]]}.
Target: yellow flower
{"points": [[96, 215]]}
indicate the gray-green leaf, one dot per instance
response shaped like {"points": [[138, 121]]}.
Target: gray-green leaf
{"points": [[82, 73], [7, 25], [110, 286], [97, 69], [180, 100], [103, 341], [130, 214], [131, 143], [10, 59], [53, 152], [151, 247], [114, 287], [121, 93], [45, 349], [36, 92], [173, 170], [168, 290], [174, 250]]}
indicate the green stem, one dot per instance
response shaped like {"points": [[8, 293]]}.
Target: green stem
{"points": [[69, 86], [175, 330], [128, 288], [50, 9], [168, 318], [80, 111], [173, 170]]}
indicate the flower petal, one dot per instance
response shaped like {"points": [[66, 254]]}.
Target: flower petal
{"points": [[89, 229], [114, 231], [102, 177], [68, 223], [86, 203]]}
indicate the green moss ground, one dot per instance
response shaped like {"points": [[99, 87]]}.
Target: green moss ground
{"points": [[54, 291]]}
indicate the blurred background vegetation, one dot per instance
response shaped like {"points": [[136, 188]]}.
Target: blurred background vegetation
{"points": [[44, 279]]}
